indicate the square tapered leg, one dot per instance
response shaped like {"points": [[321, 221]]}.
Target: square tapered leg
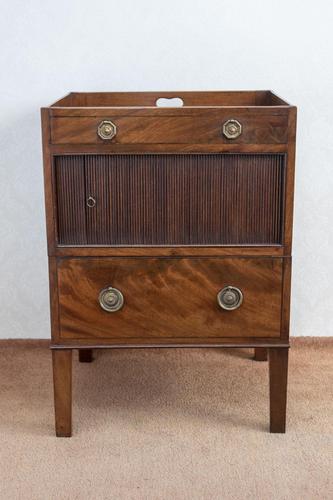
{"points": [[278, 375], [62, 381]]}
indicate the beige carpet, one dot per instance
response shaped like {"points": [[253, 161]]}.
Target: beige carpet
{"points": [[166, 424]]}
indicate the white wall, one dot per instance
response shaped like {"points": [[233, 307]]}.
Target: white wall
{"points": [[49, 48]]}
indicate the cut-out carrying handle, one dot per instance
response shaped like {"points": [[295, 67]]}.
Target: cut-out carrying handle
{"points": [[169, 102]]}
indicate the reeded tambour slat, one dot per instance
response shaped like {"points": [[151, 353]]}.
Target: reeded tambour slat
{"points": [[197, 199]]}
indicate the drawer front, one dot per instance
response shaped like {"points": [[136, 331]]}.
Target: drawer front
{"points": [[169, 300], [197, 199], [255, 129]]}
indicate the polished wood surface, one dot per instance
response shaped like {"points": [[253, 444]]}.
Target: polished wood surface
{"points": [[142, 148], [170, 199], [169, 251], [289, 183], [278, 376], [62, 380], [257, 128], [202, 112], [181, 211], [169, 298], [148, 99]]}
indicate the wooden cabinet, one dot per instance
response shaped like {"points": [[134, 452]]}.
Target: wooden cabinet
{"points": [[169, 226]]}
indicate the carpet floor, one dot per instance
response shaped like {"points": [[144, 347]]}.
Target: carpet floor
{"points": [[166, 424]]}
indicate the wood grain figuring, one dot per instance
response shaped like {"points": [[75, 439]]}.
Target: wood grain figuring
{"points": [[170, 251], [170, 129], [170, 199], [169, 298]]}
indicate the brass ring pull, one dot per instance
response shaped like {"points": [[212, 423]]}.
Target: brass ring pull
{"points": [[91, 202], [230, 298], [111, 299], [106, 130], [232, 129]]}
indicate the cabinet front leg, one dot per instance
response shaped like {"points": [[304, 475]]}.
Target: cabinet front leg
{"points": [[260, 354], [278, 375], [85, 355], [62, 381]]}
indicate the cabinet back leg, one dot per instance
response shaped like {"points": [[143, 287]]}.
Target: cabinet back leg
{"points": [[86, 355], [62, 381], [260, 354], [278, 376]]}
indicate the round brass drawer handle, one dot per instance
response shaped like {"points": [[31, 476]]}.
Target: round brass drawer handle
{"points": [[230, 298], [106, 130], [111, 299], [232, 129]]}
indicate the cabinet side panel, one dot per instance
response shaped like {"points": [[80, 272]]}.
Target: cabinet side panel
{"points": [[290, 177], [48, 182]]}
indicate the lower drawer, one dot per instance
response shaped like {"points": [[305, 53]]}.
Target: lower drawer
{"points": [[172, 300]]}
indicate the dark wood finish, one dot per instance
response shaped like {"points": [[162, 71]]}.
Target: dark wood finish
{"points": [[278, 375], [285, 316], [169, 251], [169, 298], [289, 191], [71, 200], [86, 355], [62, 380], [225, 218], [260, 354], [54, 299], [257, 128], [225, 342], [203, 112], [148, 99], [113, 148], [170, 199], [49, 194]]}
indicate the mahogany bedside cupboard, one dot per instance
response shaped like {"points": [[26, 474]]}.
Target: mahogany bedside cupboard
{"points": [[169, 226]]}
